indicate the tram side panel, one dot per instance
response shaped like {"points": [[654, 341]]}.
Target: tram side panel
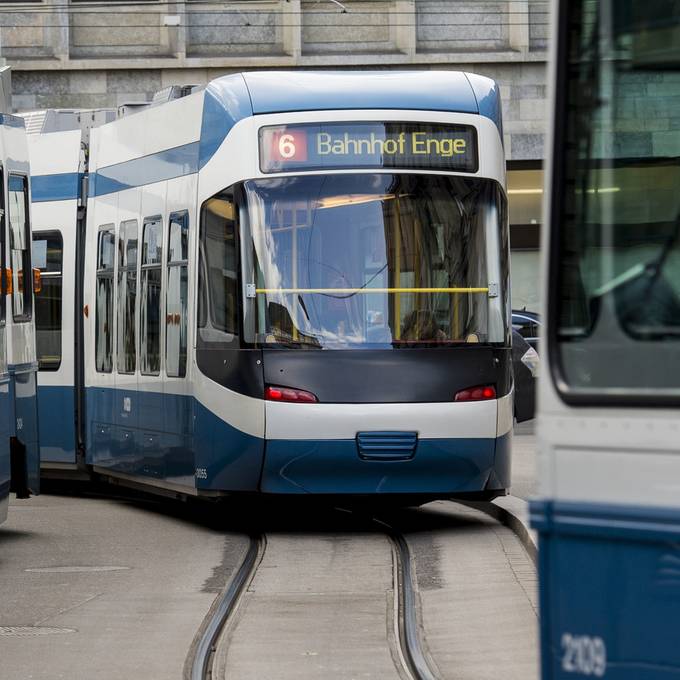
{"points": [[227, 376], [138, 286], [608, 509], [4, 405], [150, 460], [5, 408], [56, 186], [20, 329], [4, 446]]}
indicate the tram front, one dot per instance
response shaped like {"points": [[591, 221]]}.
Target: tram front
{"points": [[371, 278]]}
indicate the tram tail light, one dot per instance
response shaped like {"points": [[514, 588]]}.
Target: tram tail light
{"points": [[9, 288], [289, 394], [481, 393]]}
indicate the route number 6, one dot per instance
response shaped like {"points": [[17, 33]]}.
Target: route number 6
{"points": [[287, 146]]}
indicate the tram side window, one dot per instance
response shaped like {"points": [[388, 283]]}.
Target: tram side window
{"points": [[48, 247], [20, 254], [150, 313], [177, 300], [126, 360], [218, 275], [615, 308], [106, 249]]}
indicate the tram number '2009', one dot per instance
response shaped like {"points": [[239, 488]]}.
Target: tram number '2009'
{"points": [[584, 655]]}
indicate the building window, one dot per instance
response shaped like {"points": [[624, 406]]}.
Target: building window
{"points": [[48, 250], [525, 205], [126, 362], [106, 248], [150, 313], [20, 253], [176, 310]]}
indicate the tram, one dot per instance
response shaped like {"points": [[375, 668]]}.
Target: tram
{"points": [[283, 283], [19, 443], [608, 514]]}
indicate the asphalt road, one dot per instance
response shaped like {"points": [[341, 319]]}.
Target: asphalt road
{"points": [[524, 482], [98, 589]]}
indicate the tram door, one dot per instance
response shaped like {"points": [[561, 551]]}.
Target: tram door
{"points": [[19, 313], [54, 216], [54, 343]]}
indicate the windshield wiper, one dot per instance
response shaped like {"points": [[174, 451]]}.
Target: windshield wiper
{"points": [[651, 269]]}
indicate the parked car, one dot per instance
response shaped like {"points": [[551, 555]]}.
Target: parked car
{"points": [[527, 324], [525, 364]]}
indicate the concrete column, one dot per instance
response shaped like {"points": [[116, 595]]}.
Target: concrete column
{"points": [[177, 32], [404, 26], [518, 25], [57, 33], [291, 27]]}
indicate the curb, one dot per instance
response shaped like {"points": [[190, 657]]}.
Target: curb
{"points": [[512, 512]]}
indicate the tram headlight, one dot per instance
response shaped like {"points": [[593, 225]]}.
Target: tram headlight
{"points": [[531, 361]]}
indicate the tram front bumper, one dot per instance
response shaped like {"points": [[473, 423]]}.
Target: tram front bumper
{"points": [[437, 467]]}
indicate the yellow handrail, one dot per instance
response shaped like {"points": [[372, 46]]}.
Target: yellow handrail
{"points": [[365, 291]]}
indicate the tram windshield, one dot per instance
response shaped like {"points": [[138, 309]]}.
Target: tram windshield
{"points": [[617, 251], [373, 260]]}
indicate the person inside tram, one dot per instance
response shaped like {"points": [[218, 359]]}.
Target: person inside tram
{"points": [[421, 325]]}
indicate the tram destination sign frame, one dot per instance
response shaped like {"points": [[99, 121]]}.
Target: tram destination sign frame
{"points": [[360, 145]]}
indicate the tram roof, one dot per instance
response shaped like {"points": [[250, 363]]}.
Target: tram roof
{"points": [[311, 91], [231, 98]]}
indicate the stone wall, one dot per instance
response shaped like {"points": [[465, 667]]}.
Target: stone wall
{"points": [[81, 57]]}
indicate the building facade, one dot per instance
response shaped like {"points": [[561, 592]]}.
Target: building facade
{"points": [[95, 53]]}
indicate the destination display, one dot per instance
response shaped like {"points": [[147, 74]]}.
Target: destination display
{"points": [[408, 146]]}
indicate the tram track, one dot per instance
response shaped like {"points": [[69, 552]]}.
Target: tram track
{"points": [[410, 654], [201, 667], [410, 642]]}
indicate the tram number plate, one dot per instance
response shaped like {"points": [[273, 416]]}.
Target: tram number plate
{"points": [[584, 655]]}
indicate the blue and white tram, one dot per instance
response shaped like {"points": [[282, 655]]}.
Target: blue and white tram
{"points": [[19, 446], [608, 515], [297, 283]]}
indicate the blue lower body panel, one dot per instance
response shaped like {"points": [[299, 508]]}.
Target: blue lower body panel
{"points": [[24, 396], [56, 415], [439, 466], [4, 445], [610, 591], [175, 439], [170, 438]]}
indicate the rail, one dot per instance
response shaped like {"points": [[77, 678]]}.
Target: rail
{"points": [[201, 668]]}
